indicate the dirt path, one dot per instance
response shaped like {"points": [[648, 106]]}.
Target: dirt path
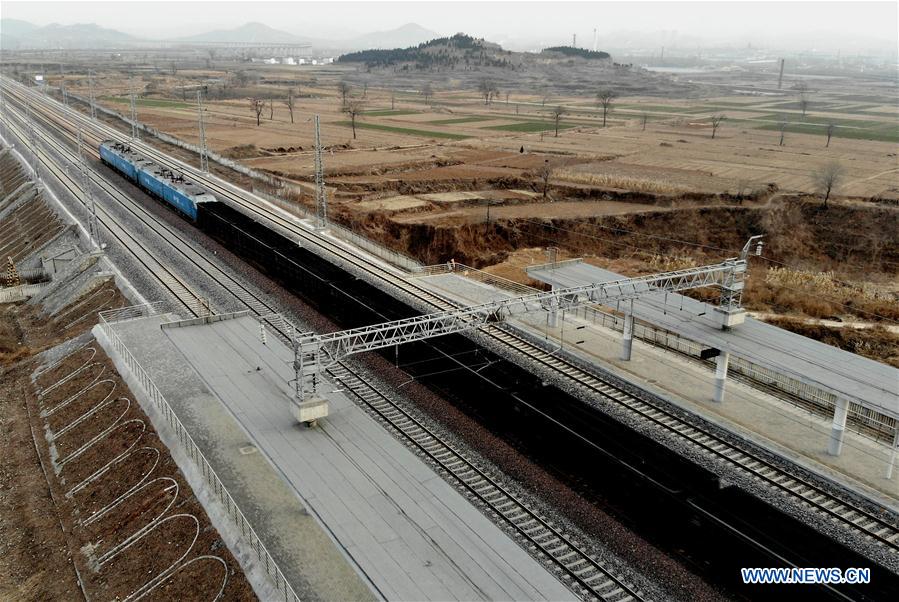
{"points": [[853, 324]]}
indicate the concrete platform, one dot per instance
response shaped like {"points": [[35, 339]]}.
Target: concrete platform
{"points": [[406, 532], [306, 553], [797, 435], [864, 381]]}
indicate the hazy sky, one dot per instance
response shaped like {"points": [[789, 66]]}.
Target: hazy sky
{"points": [[715, 21]]}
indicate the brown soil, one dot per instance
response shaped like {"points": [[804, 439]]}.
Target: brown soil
{"points": [[45, 545]]}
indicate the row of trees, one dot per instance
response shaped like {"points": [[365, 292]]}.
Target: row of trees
{"points": [[488, 89]]}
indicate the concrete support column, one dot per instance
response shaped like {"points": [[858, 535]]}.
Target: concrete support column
{"points": [[840, 413], [721, 375], [628, 341], [893, 451]]}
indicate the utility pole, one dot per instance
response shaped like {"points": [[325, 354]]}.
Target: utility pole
{"points": [[65, 95], [92, 226], [321, 199], [574, 40], [204, 153], [594, 39], [780, 78], [32, 142], [90, 83], [134, 133], [2, 113]]}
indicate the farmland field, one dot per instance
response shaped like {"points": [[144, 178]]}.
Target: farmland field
{"points": [[467, 173]]}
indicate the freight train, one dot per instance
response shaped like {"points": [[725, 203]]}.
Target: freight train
{"points": [[169, 186]]}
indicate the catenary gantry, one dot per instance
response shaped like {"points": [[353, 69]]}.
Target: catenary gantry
{"points": [[315, 352]]}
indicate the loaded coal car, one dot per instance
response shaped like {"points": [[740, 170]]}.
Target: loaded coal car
{"points": [[169, 186]]}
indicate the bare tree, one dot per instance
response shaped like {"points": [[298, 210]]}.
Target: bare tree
{"points": [[258, 105], [354, 108], [364, 89], [644, 117], [271, 109], [495, 92], [803, 92], [289, 103], [557, 114], [486, 88], [828, 179], [392, 99], [545, 173], [716, 123], [605, 98], [782, 124], [829, 131], [174, 68], [343, 89], [211, 52], [427, 92]]}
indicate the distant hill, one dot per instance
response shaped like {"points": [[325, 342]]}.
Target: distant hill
{"points": [[409, 34], [458, 51], [571, 51], [251, 32], [15, 34]]}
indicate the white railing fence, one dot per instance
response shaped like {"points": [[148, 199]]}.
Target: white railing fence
{"points": [[215, 485]]}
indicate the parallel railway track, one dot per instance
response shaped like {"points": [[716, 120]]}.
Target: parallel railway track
{"points": [[881, 531], [579, 570]]}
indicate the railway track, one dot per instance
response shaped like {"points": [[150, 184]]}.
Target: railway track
{"points": [[580, 571], [169, 280], [198, 258], [876, 529]]}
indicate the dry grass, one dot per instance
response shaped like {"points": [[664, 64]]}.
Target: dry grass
{"points": [[876, 342], [620, 182], [820, 295], [670, 263]]}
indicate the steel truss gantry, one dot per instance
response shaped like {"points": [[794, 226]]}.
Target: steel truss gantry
{"points": [[314, 353]]}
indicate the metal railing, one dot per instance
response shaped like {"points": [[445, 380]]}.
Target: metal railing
{"points": [[808, 397], [213, 482], [14, 294], [516, 288]]}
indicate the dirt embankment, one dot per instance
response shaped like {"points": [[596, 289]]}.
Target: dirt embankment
{"points": [[843, 237], [92, 506], [843, 259]]}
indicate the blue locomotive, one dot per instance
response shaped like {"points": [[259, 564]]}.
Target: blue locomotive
{"points": [[161, 182]]}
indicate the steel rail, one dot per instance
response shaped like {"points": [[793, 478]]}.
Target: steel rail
{"points": [[640, 403]]}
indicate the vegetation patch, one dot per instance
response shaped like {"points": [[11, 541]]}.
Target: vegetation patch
{"points": [[579, 52], [150, 102], [389, 112], [462, 120], [529, 126], [884, 132], [399, 130]]}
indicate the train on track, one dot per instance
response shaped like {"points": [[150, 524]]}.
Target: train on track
{"points": [[169, 186], [540, 419]]}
